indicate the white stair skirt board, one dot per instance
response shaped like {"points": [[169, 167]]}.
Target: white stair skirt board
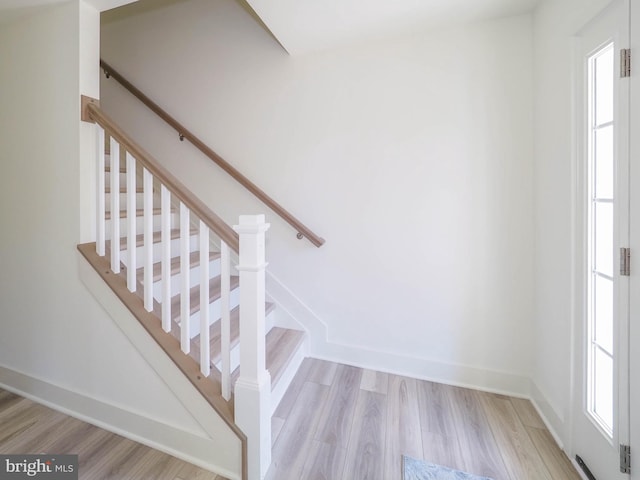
{"points": [[221, 452], [182, 444]]}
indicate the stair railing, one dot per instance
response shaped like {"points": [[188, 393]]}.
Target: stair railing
{"points": [[253, 386], [184, 133]]}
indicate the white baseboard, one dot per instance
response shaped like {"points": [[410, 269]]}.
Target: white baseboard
{"points": [[552, 419], [293, 308], [424, 369], [179, 443]]}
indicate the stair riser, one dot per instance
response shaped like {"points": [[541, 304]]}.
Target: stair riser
{"points": [[214, 311], [194, 279], [157, 220], [123, 179], [157, 251], [123, 201]]}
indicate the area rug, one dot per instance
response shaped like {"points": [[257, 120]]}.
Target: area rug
{"points": [[413, 469]]}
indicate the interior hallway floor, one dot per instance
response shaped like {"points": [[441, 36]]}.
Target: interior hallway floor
{"points": [[336, 422], [27, 427]]}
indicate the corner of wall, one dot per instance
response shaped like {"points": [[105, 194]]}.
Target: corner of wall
{"points": [[554, 421], [294, 313]]}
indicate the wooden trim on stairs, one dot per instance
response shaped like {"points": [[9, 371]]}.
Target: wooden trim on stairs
{"points": [[184, 133], [177, 189], [209, 388]]}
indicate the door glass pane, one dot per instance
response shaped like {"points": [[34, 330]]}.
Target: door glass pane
{"points": [[600, 234], [603, 313], [603, 405], [603, 248], [604, 86], [604, 162]]}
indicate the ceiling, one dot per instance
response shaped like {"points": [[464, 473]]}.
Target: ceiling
{"points": [[303, 26], [309, 25]]}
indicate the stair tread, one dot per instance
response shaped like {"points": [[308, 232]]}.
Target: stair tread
{"points": [[281, 345], [107, 169], [214, 294], [215, 349], [123, 189], [194, 261], [157, 237], [139, 213]]}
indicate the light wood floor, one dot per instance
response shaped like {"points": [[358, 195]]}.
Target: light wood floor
{"points": [[27, 427], [338, 422], [335, 422]]}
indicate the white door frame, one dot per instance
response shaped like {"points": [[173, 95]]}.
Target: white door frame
{"points": [[578, 374]]}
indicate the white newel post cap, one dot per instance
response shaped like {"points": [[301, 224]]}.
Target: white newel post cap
{"points": [[251, 224], [252, 244]]}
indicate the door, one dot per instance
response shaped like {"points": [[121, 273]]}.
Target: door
{"points": [[634, 279], [600, 420]]}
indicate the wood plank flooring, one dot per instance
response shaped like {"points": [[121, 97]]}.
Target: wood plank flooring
{"points": [[335, 422], [338, 422], [27, 427]]}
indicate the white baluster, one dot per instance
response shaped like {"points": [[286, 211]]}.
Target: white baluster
{"points": [[147, 181], [100, 192], [205, 355], [185, 290], [115, 205], [225, 322], [165, 200], [131, 223], [253, 388]]}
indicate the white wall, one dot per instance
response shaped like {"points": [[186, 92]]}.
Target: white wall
{"points": [[412, 157], [53, 332], [555, 23]]}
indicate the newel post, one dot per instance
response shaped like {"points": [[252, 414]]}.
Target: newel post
{"points": [[253, 387]]}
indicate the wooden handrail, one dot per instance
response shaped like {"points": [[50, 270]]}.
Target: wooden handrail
{"points": [[93, 112], [184, 133]]}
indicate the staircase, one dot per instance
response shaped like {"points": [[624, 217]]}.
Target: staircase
{"points": [[156, 247], [282, 343]]}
